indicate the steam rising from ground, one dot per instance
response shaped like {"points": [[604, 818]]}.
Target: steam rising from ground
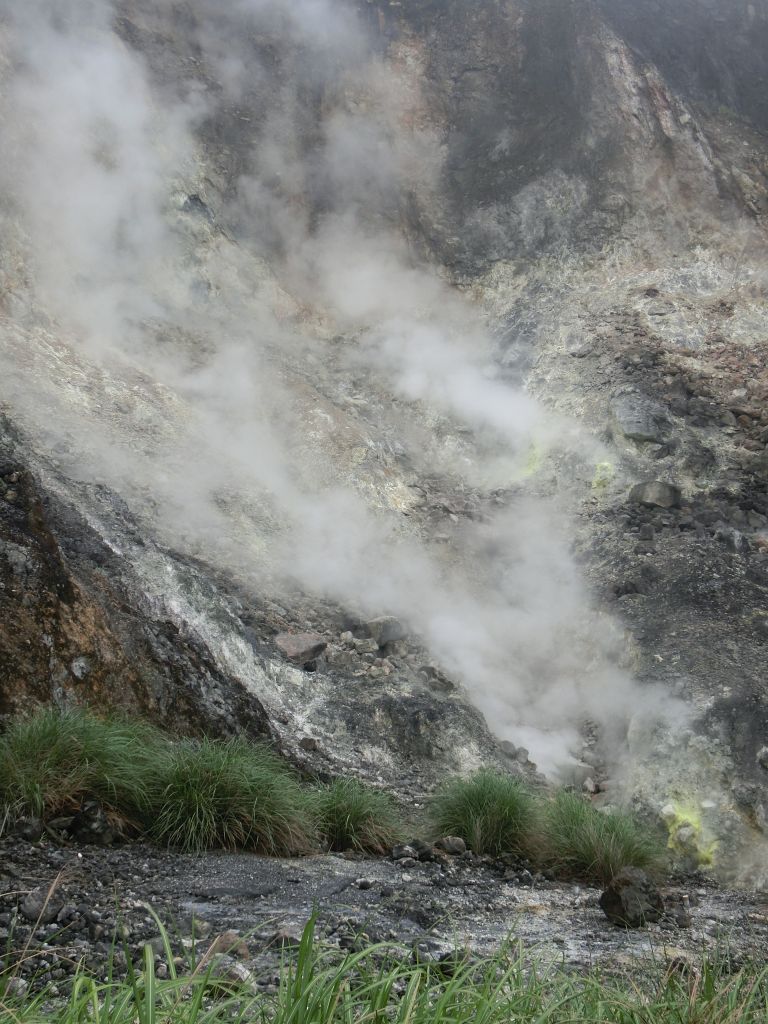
{"points": [[183, 329]]}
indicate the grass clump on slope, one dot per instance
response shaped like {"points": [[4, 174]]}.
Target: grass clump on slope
{"points": [[51, 760], [493, 813], [230, 795], [353, 816], [582, 841]]}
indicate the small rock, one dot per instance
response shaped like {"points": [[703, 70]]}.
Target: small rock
{"points": [[196, 927], [680, 915], [656, 493], [80, 667], [231, 970], [403, 851], [300, 648], [733, 539], [368, 646], [452, 845], [229, 943], [41, 906], [386, 630], [30, 829], [632, 900], [287, 935], [91, 825], [422, 851]]}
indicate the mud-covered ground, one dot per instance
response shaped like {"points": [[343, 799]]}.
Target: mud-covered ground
{"points": [[90, 896]]}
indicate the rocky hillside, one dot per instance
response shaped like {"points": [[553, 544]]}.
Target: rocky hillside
{"points": [[433, 332]]}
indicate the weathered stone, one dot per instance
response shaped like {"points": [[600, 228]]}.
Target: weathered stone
{"points": [[41, 905], [367, 646], [640, 419], [422, 849], [632, 900], [229, 943], [656, 493], [386, 630], [300, 648], [452, 845], [30, 829], [91, 824], [733, 539], [403, 851], [229, 968]]}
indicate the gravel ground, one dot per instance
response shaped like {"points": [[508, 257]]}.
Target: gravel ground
{"points": [[60, 907]]}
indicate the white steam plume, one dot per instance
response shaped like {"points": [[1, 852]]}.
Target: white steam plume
{"points": [[205, 340]]}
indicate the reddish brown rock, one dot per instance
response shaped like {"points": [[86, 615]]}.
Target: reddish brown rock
{"points": [[300, 648]]}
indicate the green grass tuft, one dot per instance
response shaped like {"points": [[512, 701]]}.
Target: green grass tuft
{"points": [[382, 984], [353, 816], [581, 841], [230, 795], [51, 760], [493, 813]]}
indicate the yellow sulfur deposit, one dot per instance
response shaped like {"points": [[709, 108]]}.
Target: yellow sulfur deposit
{"points": [[604, 474], [687, 836]]}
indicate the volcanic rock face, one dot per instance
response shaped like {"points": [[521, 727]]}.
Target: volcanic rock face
{"points": [[269, 296]]}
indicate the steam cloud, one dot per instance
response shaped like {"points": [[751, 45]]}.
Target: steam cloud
{"points": [[203, 337]]}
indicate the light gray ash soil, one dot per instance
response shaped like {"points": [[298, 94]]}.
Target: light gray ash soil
{"points": [[426, 910]]}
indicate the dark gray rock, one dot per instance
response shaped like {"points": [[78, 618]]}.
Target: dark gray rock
{"points": [[422, 850], [41, 905], [91, 824], [403, 851], [656, 493], [733, 539], [30, 829], [640, 419], [632, 900]]}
